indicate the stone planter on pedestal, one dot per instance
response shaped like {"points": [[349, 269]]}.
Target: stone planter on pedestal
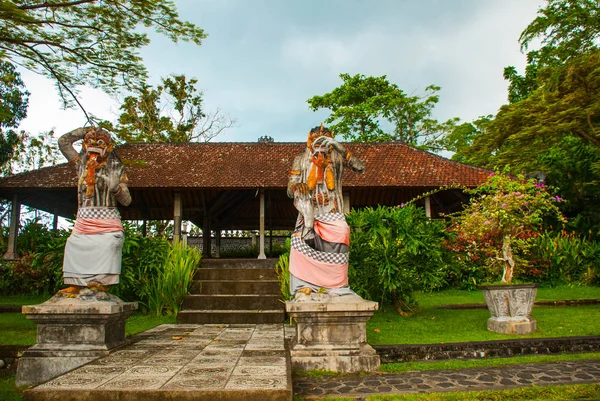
{"points": [[510, 306], [331, 333], [72, 332]]}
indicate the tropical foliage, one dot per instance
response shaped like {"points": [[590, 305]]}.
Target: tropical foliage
{"points": [[501, 222], [395, 251]]}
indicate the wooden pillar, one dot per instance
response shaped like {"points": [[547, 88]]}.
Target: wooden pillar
{"points": [[177, 217], [428, 206], [206, 245], [261, 242], [15, 216], [346, 200], [55, 222], [218, 243]]}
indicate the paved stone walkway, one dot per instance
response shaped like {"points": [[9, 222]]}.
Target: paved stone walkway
{"points": [[499, 378], [189, 361]]}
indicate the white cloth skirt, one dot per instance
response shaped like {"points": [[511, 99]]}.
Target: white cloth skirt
{"points": [[93, 258]]}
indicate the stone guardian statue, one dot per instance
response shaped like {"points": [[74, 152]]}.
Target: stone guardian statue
{"points": [[93, 251], [320, 243]]}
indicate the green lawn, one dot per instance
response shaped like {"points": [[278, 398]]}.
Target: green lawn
{"points": [[450, 297], [17, 330], [549, 393], [431, 325]]}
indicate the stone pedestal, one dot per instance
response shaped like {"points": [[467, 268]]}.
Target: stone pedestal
{"points": [[331, 333], [510, 306], [72, 332]]}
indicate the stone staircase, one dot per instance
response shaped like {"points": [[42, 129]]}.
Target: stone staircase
{"points": [[234, 291]]}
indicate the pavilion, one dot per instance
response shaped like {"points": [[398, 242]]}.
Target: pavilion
{"points": [[240, 186]]}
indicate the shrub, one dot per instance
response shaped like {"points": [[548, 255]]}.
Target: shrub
{"points": [[282, 268], [563, 258], [498, 227], [393, 252], [174, 279]]}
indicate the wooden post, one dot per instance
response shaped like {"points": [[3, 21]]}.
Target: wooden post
{"points": [[218, 243], [206, 245], [55, 222], [261, 243], [177, 217], [428, 206], [346, 199], [15, 216]]}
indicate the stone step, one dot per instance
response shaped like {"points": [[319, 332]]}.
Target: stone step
{"points": [[239, 263], [196, 316], [227, 301], [235, 287], [183, 362], [235, 273]]}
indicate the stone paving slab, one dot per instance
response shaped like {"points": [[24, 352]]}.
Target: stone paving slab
{"points": [[498, 378], [184, 362]]}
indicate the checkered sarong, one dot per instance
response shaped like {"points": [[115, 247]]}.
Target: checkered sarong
{"points": [[325, 257], [98, 213]]}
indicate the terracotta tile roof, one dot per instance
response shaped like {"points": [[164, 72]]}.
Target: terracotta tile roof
{"points": [[265, 165]]}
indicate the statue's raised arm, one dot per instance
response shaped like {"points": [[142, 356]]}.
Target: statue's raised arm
{"points": [[93, 251]]}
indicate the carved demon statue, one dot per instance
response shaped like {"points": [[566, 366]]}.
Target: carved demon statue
{"points": [[320, 243], [93, 251]]}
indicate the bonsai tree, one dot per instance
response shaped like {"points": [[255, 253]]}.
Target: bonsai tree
{"points": [[502, 219]]}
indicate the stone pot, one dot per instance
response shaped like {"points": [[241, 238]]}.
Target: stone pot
{"points": [[510, 306]]}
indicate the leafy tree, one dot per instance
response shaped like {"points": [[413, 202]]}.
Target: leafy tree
{"points": [[87, 42], [363, 107], [13, 108], [170, 112], [566, 29], [462, 137], [500, 223], [566, 103]]}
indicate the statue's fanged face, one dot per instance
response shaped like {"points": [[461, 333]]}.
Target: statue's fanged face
{"points": [[316, 133], [97, 142]]}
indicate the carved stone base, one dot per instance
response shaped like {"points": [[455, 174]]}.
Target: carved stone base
{"points": [[510, 306], [331, 333], [72, 332], [507, 325]]}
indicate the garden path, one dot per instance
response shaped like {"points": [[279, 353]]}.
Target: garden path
{"points": [[498, 378]]}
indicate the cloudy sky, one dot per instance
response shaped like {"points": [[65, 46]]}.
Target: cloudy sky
{"points": [[264, 58]]}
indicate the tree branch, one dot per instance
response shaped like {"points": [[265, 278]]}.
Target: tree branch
{"points": [[55, 5]]}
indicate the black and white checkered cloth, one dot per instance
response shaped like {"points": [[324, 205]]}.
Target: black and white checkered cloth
{"points": [[330, 217], [98, 213], [335, 258]]}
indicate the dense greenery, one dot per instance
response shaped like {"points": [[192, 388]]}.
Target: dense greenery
{"points": [[154, 272], [393, 252], [501, 222], [550, 127]]}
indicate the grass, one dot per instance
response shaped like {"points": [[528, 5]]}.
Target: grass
{"points": [[483, 363], [434, 326], [17, 330], [8, 391], [549, 393], [450, 297], [23, 299]]}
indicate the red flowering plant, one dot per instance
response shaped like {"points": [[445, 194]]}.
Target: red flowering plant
{"points": [[498, 226]]}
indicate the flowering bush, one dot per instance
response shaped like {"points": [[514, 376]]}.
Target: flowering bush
{"points": [[497, 228]]}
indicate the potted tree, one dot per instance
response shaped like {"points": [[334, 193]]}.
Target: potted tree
{"points": [[501, 221]]}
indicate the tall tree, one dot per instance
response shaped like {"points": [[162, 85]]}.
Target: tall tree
{"points": [[87, 42], [170, 112], [566, 29], [13, 108], [371, 109]]}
